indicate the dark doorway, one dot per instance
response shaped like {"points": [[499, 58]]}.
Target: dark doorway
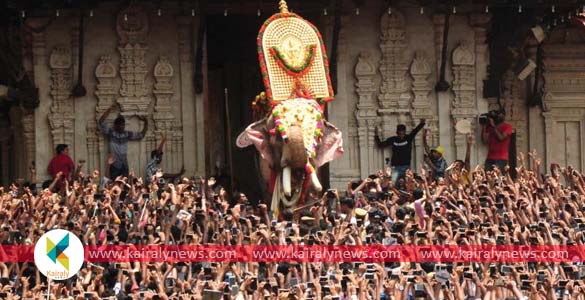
{"points": [[233, 64]]}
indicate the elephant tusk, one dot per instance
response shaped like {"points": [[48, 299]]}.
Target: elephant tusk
{"points": [[316, 182], [286, 177]]}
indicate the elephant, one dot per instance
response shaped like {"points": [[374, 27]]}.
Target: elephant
{"points": [[295, 140]]}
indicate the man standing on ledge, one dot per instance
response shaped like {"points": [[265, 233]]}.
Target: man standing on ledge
{"points": [[119, 138], [496, 134], [401, 149]]}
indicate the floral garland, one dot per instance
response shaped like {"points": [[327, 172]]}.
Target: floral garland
{"points": [[280, 114], [294, 71]]}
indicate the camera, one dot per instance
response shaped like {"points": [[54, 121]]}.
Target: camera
{"points": [[492, 114]]}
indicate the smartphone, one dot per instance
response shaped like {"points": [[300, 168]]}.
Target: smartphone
{"points": [[541, 276], [170, 283], [294, 281], [212, 294], [421, 234], [146, 196], [468, 275], [506, 269], [419, 290], [370, 276]]}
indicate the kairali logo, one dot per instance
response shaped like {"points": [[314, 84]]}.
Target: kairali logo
{"points": [[59, 254]]}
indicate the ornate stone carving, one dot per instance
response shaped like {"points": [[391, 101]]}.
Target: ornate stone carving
{"points": [[105, 72], [163, 92], [420, 70], [61, 118], [164, 120], [177, 141], [394, 97], [366, 115], [513, 102], [393, 67], [28, 130], [132, 25], [106, 94], [463, 105], [463, 80], [94, 144], [132, 28]]}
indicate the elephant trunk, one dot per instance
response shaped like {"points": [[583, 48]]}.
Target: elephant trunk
{"points": [[294, 155]]}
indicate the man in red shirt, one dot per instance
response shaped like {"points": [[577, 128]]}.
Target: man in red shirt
{"points": [[61, 163], [496, 134]]}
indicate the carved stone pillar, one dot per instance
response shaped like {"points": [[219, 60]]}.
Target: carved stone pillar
{"points": [[463, 105], [106, 94], [192, 108], [178, 152], [40, 69], [62, 117], [132, 28], [480, 23], [420, 70], [394, 97], [366, 116], [28, 128], [163, 116], [513, 101]]}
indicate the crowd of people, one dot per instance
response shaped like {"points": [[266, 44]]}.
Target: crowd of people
{"points": [[439, 204]]}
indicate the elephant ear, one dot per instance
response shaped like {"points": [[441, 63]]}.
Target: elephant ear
{"points": [[331, 145], [255, 134]]}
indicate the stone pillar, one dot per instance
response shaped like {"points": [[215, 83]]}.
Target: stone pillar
{"points": [[42, 134], [480, 22], [463, 105], [366, 116], [194, 141], [549, 123], [443, 98], [394, 97], [28, 128], [106, 94], [132, 28], [163, 116], [62, 116], [420, 70]]}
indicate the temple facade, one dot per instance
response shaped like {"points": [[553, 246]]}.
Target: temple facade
{"points": [[388, 63]]}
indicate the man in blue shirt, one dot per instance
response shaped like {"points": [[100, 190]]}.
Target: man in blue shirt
{"points": [[118, 143]]}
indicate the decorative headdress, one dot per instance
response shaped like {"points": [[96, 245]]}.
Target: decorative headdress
{"points": [[293, 59]]}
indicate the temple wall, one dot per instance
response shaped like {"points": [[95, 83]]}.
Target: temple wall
{"points": [[134, 57], [388, 68]]}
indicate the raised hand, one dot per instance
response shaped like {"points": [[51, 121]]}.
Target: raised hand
{"points": [[469, 138], [111, 159]]}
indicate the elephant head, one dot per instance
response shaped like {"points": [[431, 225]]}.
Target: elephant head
{"points": [[295, 140]]}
